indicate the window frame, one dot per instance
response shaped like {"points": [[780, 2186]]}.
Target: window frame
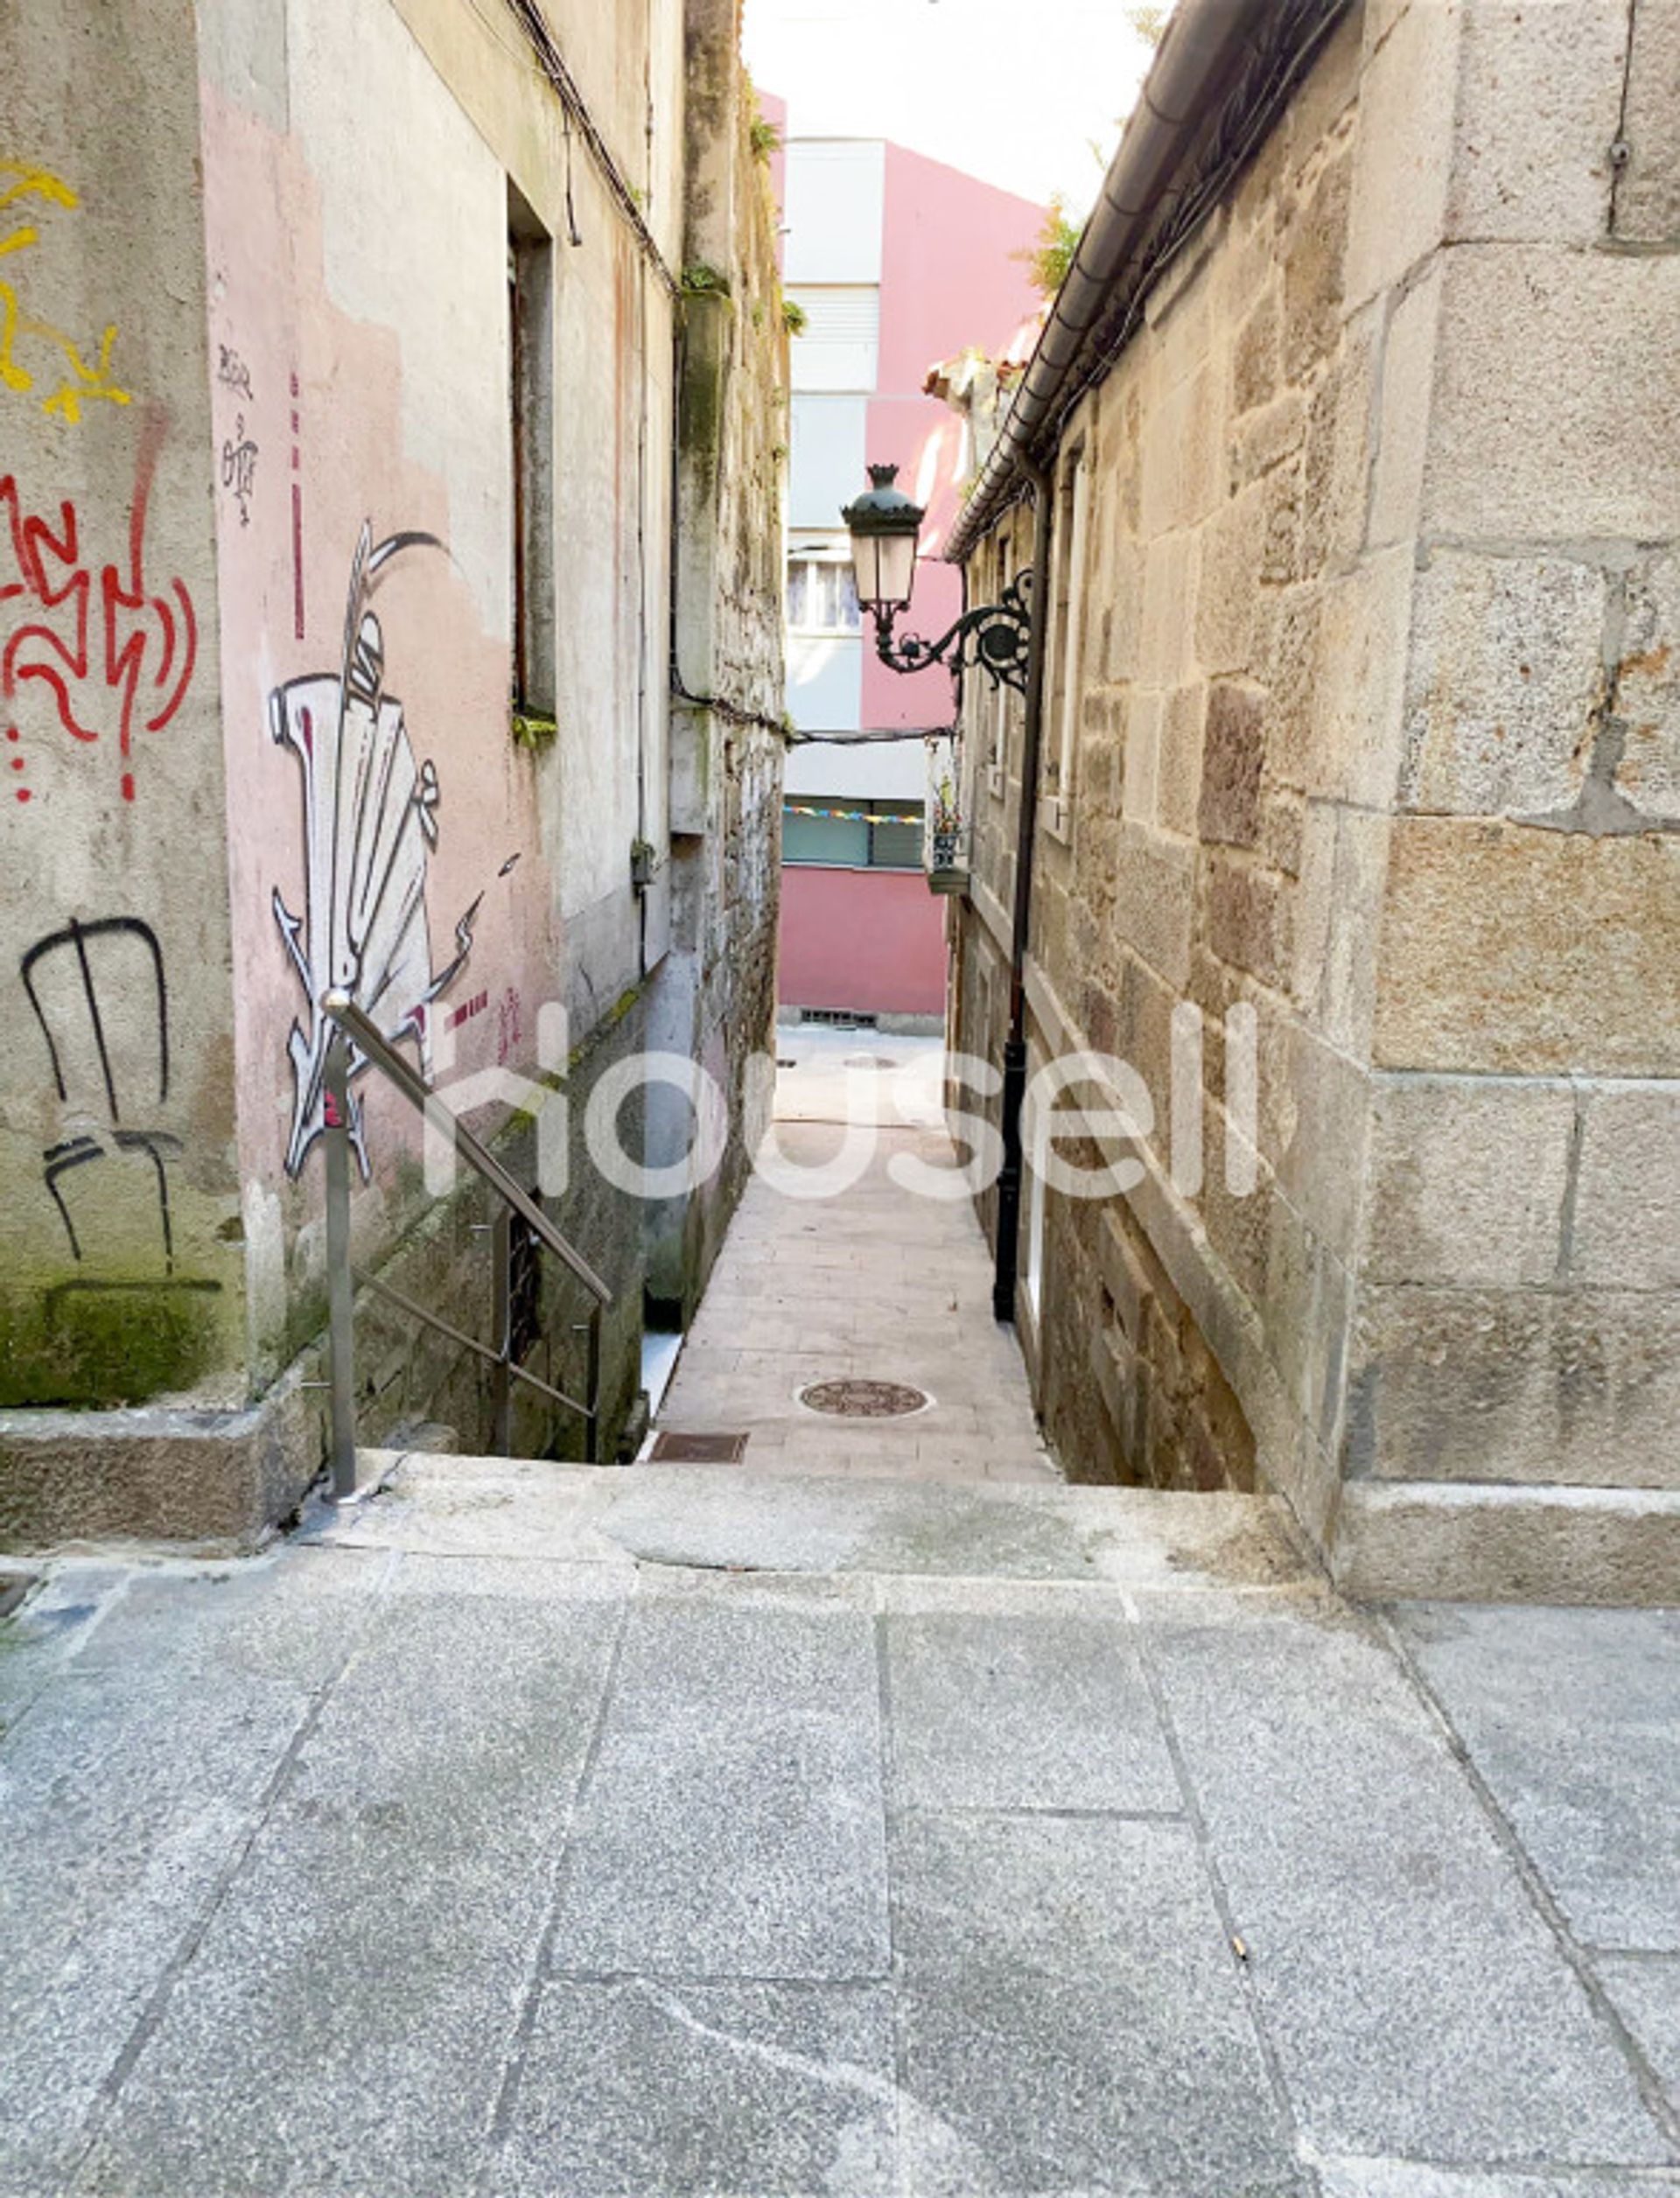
{"points": [[916, 827], [830, 560], [533, 638]]}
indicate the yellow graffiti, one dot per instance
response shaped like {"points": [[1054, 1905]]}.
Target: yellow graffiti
{"points": [[83, 383]]}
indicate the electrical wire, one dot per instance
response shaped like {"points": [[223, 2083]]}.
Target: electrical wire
{"points": [[552, 62]]}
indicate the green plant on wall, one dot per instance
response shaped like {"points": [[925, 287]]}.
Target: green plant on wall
{"points": [[762, 134], [1049, 261], [700, 280], [795, 318], [532, 730]]}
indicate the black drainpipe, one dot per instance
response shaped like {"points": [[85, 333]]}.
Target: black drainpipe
{"points": [[1009, 1182]]}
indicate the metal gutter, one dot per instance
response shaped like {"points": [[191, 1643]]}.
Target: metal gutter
{"points": [[1204, 42]]}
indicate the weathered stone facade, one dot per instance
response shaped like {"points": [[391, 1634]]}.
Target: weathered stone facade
{"points": [[352, 373], [1374, 731]]}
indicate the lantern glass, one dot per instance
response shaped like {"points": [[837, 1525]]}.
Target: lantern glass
{"points": [[884, 525], [885, 568]]}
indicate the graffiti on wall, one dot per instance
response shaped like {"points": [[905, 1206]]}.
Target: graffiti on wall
{"points": [[114, 648], [240, 450], [239, 457], [35, 355], [370, 821], [233, 374], [101, 1002]]}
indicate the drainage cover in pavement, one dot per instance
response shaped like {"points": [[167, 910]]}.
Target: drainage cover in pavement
{"points": [[864, 1400], [877, 1062], [674, 1449]]}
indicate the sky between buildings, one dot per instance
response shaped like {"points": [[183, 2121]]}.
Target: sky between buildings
{"points": [[1012, 91]]}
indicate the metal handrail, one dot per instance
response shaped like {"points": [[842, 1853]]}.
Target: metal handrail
{"points": [[372, 1042], [351, 1027], [452, 1334]]}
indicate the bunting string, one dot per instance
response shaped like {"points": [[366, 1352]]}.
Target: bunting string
{"points": [[847, 816]]}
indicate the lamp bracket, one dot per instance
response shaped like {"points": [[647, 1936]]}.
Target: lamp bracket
{"points": [[994, 636]]}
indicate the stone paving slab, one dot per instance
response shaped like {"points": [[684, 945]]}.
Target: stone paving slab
{"points": [[1073, 2018], [125, 1797], [154, 1707], [37, 1641], [269, 1616], [1645, 1993], [1574, 1721], [1405, 2179], [526, 1832], [734, 1824], [644, 2087], [729, 1518], [1041, 1711], [1419, 2004], [351, 2008]]}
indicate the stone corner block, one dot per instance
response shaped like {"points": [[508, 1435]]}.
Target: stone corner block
{"points": [[1520, 1545], [1627, 1221], [203, 1478], [1554, 395], [1517, 950], [1468, 1180]]}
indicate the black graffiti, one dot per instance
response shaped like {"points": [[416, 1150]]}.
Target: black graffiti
{"points": [[79, 1151], [75, 938], [239, 468], [233, 373], [94, 956]]}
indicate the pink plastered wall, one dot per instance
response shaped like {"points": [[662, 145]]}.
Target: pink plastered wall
{"points": [[867, 940], [310, 396], [951, 277]]}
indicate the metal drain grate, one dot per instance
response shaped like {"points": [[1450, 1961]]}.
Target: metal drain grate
{"points": [[864, 1400], [675, 1449]]}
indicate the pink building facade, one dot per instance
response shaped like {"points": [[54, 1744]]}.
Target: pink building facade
{"points": [[898, 262]]}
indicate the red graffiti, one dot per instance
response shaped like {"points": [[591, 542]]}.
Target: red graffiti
{"points": [[112, 652]]}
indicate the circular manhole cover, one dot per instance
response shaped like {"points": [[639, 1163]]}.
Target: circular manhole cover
{"points": [[864, 1400]]}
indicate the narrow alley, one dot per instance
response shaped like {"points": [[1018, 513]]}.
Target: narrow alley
{"points": [[875, 1286], [839, 1099], [853, 1819]]}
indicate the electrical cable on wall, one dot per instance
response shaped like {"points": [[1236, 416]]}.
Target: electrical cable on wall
{"points": [[552, 63]]}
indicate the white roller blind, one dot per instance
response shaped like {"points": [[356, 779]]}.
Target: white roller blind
{"points": [[840, 348]]}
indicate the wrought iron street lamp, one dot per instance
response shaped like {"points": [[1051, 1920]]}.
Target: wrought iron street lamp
{"points": [[884, 525]]}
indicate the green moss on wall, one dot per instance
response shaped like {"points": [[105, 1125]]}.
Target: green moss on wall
{"points": [[108, 1345], [700, 400]]}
